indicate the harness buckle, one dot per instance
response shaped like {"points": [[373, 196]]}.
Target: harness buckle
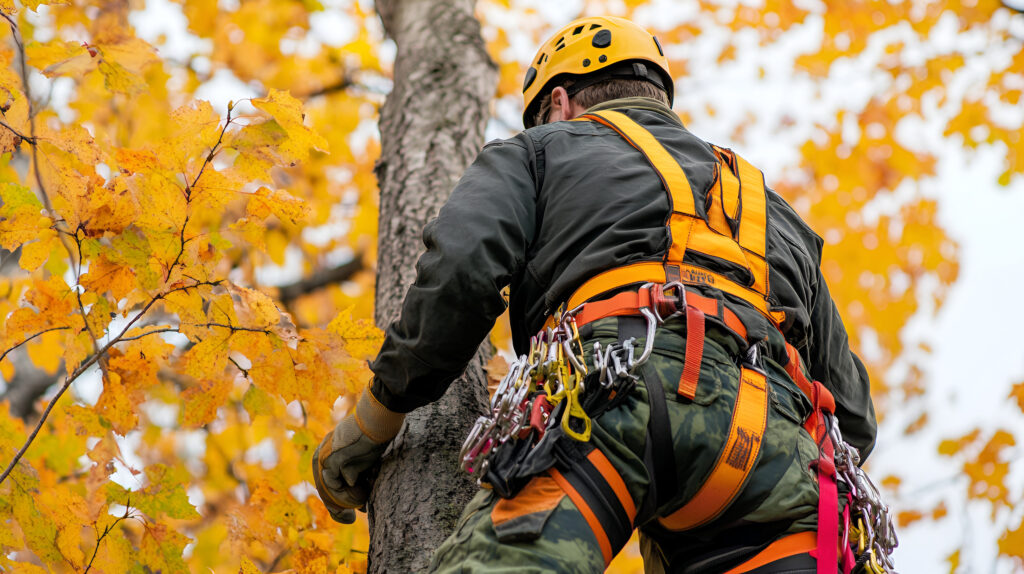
{"points": [[666, 307]]}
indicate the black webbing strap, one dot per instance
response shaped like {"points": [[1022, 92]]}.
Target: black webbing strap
{"points": [[600, 494], [659, 455]]}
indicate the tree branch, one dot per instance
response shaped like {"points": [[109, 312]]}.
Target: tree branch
{"points": [[33, 138], [107, 530], [4, 354], [29, 139], [148, 333], [338, 86], [232, 327], [67, 383], [189, 188], [319, 280]]}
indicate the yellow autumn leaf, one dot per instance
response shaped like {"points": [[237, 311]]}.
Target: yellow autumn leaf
{"points": [[361, 338], [37, 252], [248, 567], [257, 309], [288, 208], [60, 58], [287, 111], [200, 403], [119, 79]]}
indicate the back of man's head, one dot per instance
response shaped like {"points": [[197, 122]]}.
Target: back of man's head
{"points": [[605, 92]]}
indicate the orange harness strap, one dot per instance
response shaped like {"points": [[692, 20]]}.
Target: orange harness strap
{"points": [[694, 353], [799, 543], [734, 230], [731, 470], [601, 496]]}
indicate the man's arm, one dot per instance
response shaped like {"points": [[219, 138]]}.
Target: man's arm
{"points": [[841, 371], [476, 244]]}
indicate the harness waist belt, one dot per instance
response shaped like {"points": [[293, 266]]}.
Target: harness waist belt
{"points": [[630, 303]]}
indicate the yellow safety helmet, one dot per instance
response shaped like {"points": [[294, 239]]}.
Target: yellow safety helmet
{"points": [[592, 50]]}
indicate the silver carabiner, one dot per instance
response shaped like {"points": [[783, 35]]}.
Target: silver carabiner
{"points": [[652, 324]]}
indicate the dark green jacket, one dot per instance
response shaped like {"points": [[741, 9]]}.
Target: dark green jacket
{"points": [[546, 210]]}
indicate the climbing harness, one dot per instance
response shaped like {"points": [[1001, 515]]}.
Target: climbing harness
{"points": [[549, 387], [550, 393], [868, 523]]}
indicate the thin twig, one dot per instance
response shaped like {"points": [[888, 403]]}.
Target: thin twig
{"points": [[2, 356], [245, 372], [188, 193], [33, 138], [28, 139], [107, 530], [232, 327], [78, 295], [213, 151], [67, 383], [147, 333]]}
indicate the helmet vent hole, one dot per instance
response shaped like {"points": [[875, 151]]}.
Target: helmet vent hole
{"points": [[595, 26], [540, 60], [577, 30], [531, 75], [658, 44]]}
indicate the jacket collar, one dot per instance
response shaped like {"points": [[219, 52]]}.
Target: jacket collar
{"points": [[637, 103]]}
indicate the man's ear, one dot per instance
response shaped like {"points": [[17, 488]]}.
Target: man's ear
{"points": [[561, 109]]}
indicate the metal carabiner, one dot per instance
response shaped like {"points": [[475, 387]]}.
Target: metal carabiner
{"points": [[652, 325]]}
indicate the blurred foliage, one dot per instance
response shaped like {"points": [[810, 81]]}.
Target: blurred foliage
{"points": [[153, 230]]}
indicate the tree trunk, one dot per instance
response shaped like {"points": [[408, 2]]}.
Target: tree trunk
{"points": [[432, 126]]}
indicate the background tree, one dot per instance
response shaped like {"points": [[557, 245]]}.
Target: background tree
{"points": [[432, 126]]}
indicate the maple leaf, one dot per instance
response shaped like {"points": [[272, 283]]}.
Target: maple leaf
{"points": [[1011, 543], [362, 339], [164, 495], [60, 58], [287, 112], [1017, 393], [201, 402]]}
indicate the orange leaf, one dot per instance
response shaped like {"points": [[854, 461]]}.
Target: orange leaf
{"points": [[1017, 393]]}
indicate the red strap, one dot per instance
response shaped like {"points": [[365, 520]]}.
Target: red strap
{"points": [[694, 352], [828, 509], [847, 557]]}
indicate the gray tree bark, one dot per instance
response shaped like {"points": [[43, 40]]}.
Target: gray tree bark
{"points": [[432, 126]]}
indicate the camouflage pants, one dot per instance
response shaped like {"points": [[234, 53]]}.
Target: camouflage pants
{"points": [[779, 498]]}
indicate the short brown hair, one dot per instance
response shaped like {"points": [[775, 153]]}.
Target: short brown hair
{"points": [[612, 89]]}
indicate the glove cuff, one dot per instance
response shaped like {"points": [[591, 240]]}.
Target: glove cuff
{"points": [[377, 422]]}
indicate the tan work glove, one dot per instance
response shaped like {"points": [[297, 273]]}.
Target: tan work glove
{"points": [[354, 446]]}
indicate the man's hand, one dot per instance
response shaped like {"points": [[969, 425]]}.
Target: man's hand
{"points": [[354, 446]]}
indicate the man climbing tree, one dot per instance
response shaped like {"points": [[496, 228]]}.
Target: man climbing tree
{"points": [[682, 325]]}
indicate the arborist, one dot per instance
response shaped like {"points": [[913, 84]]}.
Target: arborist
{"points": [[683, 369]]}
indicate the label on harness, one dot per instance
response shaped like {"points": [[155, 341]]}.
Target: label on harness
{"points": [[739, 454], [696, 276]]}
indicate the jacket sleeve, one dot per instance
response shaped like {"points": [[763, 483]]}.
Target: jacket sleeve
{"points": [[475, 245], [841, 371]]}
